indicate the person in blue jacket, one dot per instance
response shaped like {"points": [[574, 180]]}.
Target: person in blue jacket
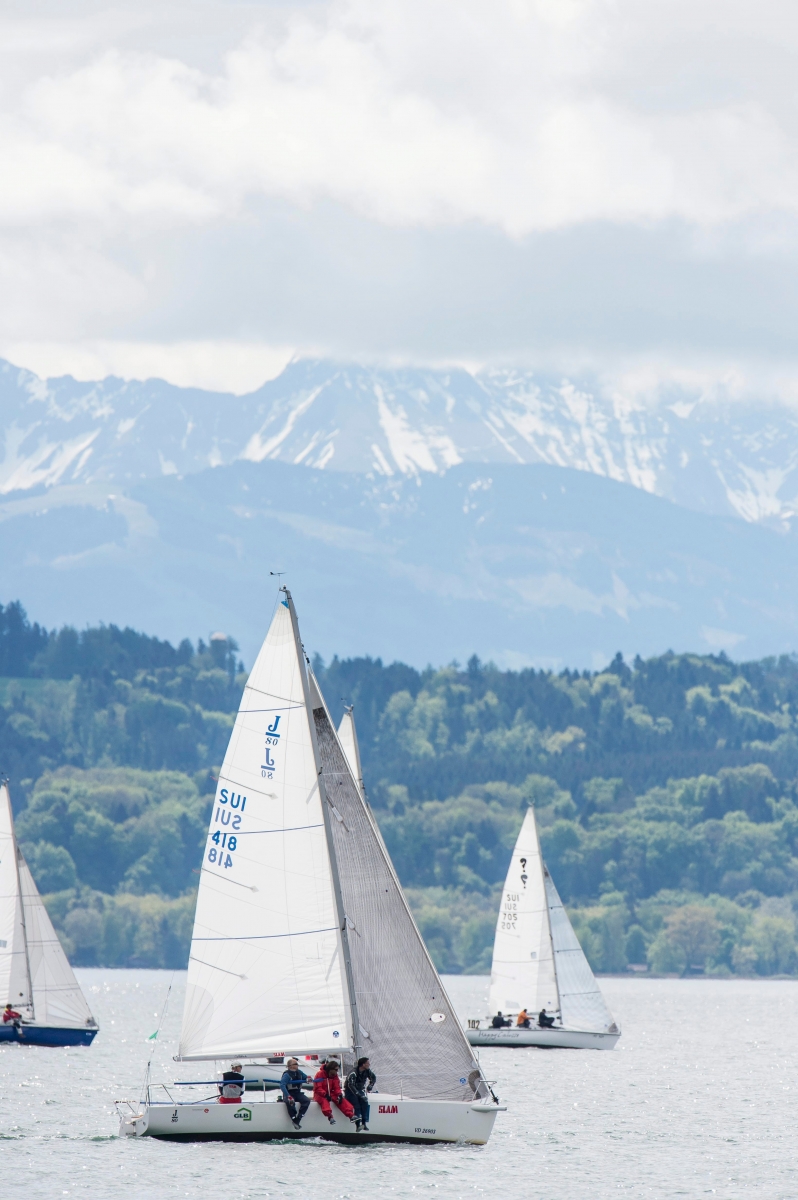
{"points": [[295, 1099]]}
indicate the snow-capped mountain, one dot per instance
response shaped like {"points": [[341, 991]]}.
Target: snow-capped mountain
{"points": [[709, 454]]}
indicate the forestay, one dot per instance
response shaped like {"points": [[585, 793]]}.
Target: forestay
{"points": [[523, 974], [581, 1001], [407, 1025], [57, 998], [14, 979], [265, 971]]}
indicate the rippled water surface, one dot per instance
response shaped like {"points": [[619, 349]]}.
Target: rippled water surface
{"points": [[699, 1099]]}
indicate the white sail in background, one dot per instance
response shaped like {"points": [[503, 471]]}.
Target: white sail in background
{"points": [[14, 977], [523, 974], [265, 972], [57, 998], [35, 975], [347, 735], [582, 1004]]}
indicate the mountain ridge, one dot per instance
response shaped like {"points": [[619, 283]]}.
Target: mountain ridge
{"points": [[708, 453], [525, 564]]}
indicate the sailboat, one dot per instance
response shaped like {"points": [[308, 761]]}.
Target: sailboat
{"points": [[36, 979], [538, 963], [303, 942], [347, 736]]}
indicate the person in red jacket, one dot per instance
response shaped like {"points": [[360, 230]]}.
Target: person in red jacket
{"points": [[327, 1091], [10, 1015]]}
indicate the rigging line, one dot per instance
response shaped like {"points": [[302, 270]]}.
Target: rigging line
{"points": [[267, 937], [248, 886], [287, 702], [214, 967], [286, 829], [165, 1006]]}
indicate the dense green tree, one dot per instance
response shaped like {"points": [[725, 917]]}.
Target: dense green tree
{"points": [[660, 786]]}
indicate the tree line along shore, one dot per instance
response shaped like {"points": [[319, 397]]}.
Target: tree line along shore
{"points": [[666, 793]]}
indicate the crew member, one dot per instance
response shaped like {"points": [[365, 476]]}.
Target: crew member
{"points": [[522, 1020], [327, 1091], [544, 1021], [10, 1014], [358, 1085], [295, 1099], [500, 1021], [231, 1088]]}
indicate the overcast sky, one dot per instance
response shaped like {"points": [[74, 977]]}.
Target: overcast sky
{"points": [[201, 189]]}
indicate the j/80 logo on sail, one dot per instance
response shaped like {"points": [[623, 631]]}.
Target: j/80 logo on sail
{"points": [[272, 737]]}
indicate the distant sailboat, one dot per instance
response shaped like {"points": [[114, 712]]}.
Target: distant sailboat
{"points": [[347, 736], [303, 941], [538, 963], [36, 979]]}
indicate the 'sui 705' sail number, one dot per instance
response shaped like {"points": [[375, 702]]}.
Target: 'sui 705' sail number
{"points": [[510, 910]]}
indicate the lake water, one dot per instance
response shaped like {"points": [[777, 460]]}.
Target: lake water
{"points": [[699, 1099]]}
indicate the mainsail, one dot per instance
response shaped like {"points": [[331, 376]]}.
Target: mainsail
{"points": [[35, 974], [523, 973], [15, 984], [407, 1025], [581, 1002], [266, 971]]}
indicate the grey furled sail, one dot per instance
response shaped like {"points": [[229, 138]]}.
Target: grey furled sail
{"points": [[406, 1021]]}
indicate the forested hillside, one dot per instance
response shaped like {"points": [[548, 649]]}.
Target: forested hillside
{"points": [[666, 793]]}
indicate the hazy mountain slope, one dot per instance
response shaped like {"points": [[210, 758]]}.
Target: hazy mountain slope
{"points": [[523, 564], [712, 454]]}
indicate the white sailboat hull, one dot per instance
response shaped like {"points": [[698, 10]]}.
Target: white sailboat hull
{"points": [[568, 1039], [393, 1119]]}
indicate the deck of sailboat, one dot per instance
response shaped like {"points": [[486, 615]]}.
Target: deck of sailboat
{"points": [[550, 1039], [394, 1118]]}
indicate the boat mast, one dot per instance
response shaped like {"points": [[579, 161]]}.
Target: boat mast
{"points": [[325, 808], [17, 853]]}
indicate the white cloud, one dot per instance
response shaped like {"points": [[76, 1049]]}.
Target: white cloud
{"points": [[439, 179], [523, 116], [238, 367]]}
